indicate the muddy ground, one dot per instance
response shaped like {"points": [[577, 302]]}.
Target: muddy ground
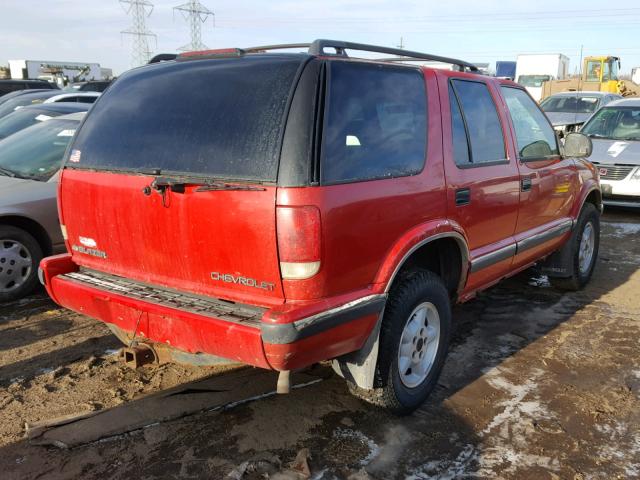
{"points": [[538, 384]]}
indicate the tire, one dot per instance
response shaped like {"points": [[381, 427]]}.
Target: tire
{"points": [[401, 392], [20, 256], [581, 270]]}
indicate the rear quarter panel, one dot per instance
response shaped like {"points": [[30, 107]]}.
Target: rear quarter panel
{"points": [[363, 221]]}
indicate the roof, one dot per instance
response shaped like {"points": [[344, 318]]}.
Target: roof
{"points": [[59, 107], [625, 102], [582, 92], [61, 96]]}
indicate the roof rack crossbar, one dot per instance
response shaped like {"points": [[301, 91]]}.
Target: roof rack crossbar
{"points": [[318, 46]]}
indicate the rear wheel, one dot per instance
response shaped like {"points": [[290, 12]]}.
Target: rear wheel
{"points": [[414, 339], [584, 244], [20, 255]]}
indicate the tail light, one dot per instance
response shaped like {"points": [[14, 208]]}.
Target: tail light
{"points": [[298, 241]]}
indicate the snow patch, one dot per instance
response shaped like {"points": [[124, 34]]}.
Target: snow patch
{"points": [[623, 229]]}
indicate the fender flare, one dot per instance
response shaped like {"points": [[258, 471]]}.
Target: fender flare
{"points": [[416, 238], [587, 189]]}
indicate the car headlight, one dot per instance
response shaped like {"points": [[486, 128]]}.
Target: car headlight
{"points": [[636, 174]]}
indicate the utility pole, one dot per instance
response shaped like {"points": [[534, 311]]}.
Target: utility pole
{"points": [[401, 45], [139, 10], [196, 14]]}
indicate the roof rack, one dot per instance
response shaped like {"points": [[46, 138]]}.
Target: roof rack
{"points": [[318, 48]]}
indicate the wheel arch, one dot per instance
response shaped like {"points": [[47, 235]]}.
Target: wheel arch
{"points": [[431, 253], [33, 228]]}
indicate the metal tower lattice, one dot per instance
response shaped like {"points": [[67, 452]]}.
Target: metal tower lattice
{"points": [[197, 14], [139, 10]]}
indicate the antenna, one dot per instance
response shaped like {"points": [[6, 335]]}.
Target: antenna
{"points": [[196, 14], [139, 11], [401, 45]]}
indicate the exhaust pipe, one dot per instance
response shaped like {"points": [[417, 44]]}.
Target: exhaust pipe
{"points": [[284, 385], [139, 355]]}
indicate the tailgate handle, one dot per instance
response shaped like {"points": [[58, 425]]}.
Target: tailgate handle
{"points": [[463, 196]]}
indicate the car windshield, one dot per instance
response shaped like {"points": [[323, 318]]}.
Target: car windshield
{"points": [[23, 118], [36, 152], [616, 123], [570, 104], [533, 80], [17, 103]]}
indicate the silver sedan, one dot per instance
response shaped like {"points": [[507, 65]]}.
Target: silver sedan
{"points": [[30, 162]]}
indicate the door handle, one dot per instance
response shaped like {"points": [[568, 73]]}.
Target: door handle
{"points": [[525, 184], [463, 196]]}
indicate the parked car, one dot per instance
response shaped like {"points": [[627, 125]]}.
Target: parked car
{"points": [[93, 86], [29, 225], [283, 209], [78, 97], [568, 111], [7, 86], [27, 116], [16, 100], [615, 132]]}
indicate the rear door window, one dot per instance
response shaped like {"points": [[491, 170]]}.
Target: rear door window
{"points": [[220, 118], [375, 123], [480, 118], [535, 136]]}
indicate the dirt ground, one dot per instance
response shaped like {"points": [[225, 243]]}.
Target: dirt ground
{"points": [[538, 384]]}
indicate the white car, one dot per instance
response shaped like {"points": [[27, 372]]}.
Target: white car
{"points": [[77, 97], [615, 133]]}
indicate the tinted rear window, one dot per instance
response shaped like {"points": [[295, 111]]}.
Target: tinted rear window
{"points": [[219, 118]]}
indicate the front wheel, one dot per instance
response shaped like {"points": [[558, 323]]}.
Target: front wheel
{"points": [[584, 244], [414, 339]]}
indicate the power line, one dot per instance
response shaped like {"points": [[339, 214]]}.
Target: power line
{"points": [[139, 11], [196, 14]]}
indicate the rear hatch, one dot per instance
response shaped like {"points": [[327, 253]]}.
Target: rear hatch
{"points": [[171, 180]]}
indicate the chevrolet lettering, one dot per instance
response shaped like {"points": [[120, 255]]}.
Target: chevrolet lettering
{"points": [[239, 280]]}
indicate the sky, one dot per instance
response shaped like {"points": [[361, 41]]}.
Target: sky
{"points": [[472, 30]]}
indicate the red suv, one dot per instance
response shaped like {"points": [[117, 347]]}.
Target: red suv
{"points": [[280, 209]]}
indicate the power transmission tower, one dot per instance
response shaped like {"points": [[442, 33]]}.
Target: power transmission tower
{"points": [[139, 10], [196, 14]]}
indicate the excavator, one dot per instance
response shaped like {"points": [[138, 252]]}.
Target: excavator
{"points": [[598, 74]]}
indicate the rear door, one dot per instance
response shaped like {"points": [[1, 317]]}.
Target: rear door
{"points": [[482, 176], [548, 182], [172, 178]]}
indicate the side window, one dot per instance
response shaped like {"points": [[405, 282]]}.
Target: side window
{"points": [[458, 132], [483, 128], [375, 123], [535, 137]]}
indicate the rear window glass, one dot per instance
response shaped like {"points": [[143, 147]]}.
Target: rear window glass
{"points": [[376, 123], [216, 118]]}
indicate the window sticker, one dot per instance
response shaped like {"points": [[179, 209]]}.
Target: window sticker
{"points": [[353, 141], [75, 156], [67, 133]]}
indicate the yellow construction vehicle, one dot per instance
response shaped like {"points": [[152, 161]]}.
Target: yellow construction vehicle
{"points": [[598, 74]]}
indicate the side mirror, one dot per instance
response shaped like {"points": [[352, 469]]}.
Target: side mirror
{"points": [[577, 145]]}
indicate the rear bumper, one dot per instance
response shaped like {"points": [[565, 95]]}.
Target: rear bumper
{"points": [[285, 337]]}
